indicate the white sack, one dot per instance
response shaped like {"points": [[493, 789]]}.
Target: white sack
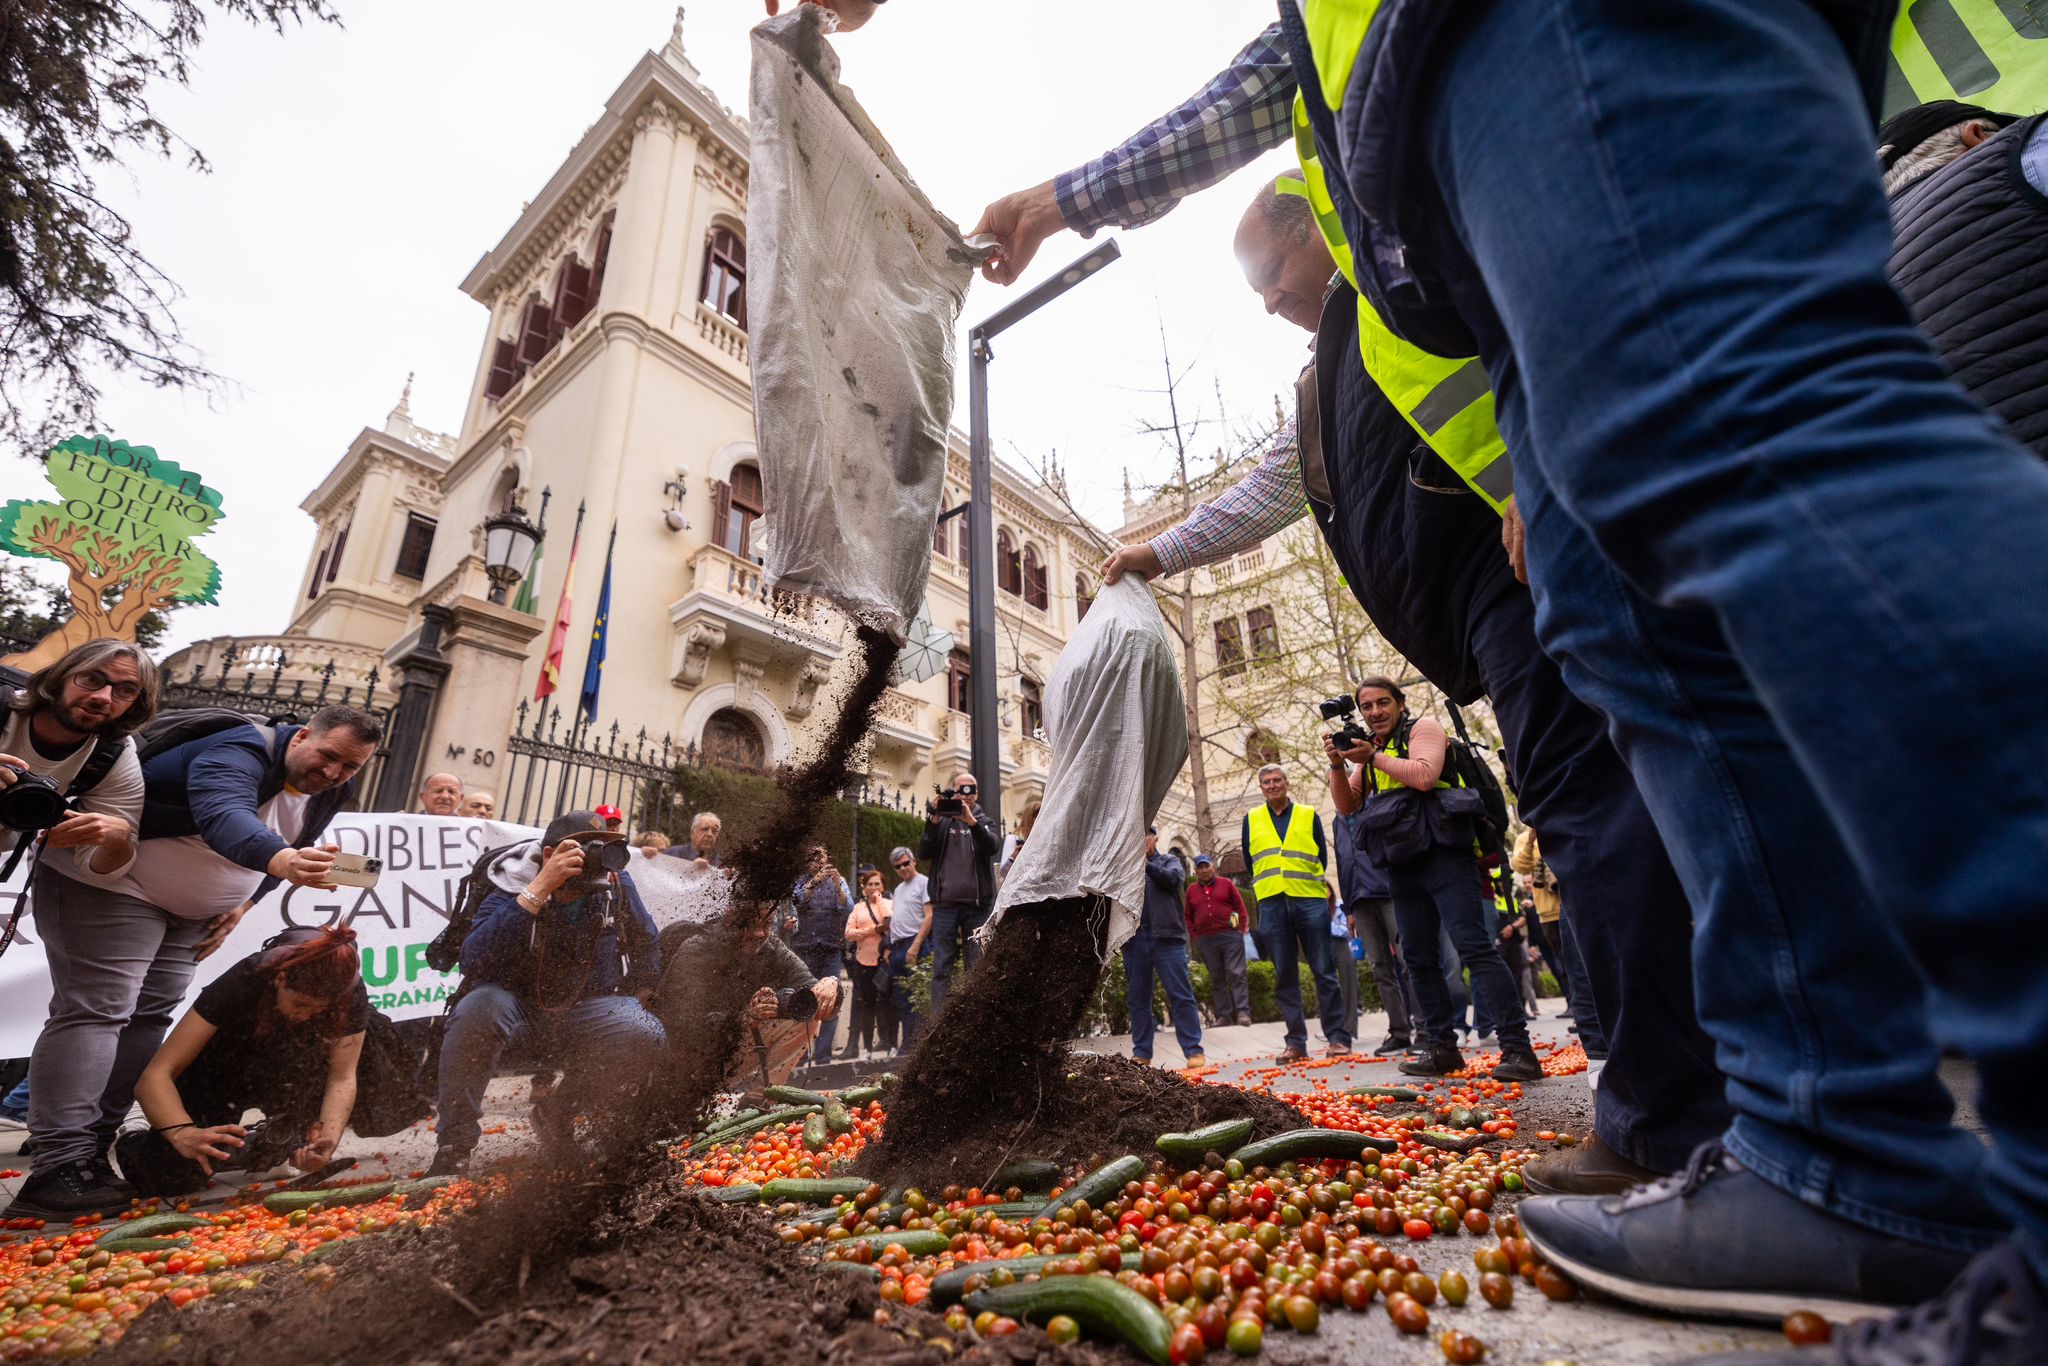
{"points": [[854, 284], [1118, 728]]}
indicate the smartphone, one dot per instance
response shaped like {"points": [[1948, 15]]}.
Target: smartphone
{"points": [[355, 870]]}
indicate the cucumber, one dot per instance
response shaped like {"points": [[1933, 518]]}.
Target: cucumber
{"points": [[816, 1135], [1097, 1186], [856, 1268], [795, 1095], [426, 1185], [142, 1244], [1009, 1212], [1098, 1303], [1298, 1145], [1386, 1092], [813, 1190], [949, 1286], [1450, 1143], [286, 1202], [710, 1132], [1189, 1148], [837, 1120], [820, 1214], [736, 1195], [1030, 1173], [149, 1226], [859, 1095], [750, 1127], [918, 1242]]}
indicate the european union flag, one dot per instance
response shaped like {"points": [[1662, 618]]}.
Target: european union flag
{"points": [[593, 667]]}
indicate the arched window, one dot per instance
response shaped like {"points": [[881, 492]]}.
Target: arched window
{"points": [[1034, 578], [1084, 596], [732, 739], [738, 507], [959, 682], [942, 539], [960, 531], [725, 276], [1009, 568]]}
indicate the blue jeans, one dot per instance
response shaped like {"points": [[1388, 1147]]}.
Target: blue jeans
{"points": [[953, 929], [16, 1104], [1143, 956], [1770, 538], [603, 1043], [823, 962], [1440, 894], [899, 991], [1298, 927]]}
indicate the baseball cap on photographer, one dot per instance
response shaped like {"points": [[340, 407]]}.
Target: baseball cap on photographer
{"points": [[572, 823]]}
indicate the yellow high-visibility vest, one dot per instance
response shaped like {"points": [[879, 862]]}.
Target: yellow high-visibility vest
{"points": [[1284, 865], [1982, 51]]}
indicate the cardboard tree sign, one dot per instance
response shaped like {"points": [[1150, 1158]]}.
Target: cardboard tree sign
{"points": [[123, 524]]}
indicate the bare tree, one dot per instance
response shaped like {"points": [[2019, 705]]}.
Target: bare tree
{"points": [[77, 296]]}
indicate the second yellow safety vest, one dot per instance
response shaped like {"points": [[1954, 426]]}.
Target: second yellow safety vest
{"points": [[1285, 864]]}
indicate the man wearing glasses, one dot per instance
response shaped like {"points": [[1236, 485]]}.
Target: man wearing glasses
{"points": [[72, 724], [959, 845]]}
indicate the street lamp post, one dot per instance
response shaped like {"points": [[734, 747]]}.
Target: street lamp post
{"points": [[508, 549], [981, 537]]}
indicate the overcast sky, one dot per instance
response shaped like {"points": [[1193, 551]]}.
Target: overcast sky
{"points": [[360, 172]]}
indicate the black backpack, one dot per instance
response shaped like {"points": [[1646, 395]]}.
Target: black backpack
{"points": [[446, 949], [168, 730], [1475, 773]]}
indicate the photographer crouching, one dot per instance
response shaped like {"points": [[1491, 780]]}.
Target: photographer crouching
{"points": [[568, 964], [785, 1000]]}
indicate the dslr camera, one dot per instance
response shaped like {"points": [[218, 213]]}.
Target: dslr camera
{"points": [[1350, 733], [947, 803], [795, 1003], [33, 802]]}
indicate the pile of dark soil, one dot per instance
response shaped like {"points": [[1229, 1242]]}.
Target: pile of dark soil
{"points": [[676, 1278]]}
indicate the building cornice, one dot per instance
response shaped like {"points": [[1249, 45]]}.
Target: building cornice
{"points": [[372, 445]]}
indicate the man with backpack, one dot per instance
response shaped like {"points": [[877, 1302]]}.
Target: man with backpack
{"points": [[1421, 551], [230, 809], [68, 734]]}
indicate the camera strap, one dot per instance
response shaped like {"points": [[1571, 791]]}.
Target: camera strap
{"points": [[21, 902]]}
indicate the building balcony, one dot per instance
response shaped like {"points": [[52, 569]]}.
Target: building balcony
{"points": [[729, 605], [297, 673], [721, 334]]}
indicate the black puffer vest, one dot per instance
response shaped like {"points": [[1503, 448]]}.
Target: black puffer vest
{"points": [[1418, 549], [1972, 260]]}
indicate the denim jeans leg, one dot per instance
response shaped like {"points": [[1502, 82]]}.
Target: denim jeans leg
{"points": [[100, 947], [1170, 961], [1374, 921], [1311, 921], [945, 950], [899, 987], [609, 1046], [824, 963], [1281, 943], [1591, 1037], [1137, 953], [1452, 877], [1764, 526], [1423, 942], [163, 992], [485, 1020]]}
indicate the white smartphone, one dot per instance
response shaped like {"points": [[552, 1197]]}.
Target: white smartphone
{"points": [[355, 870]]}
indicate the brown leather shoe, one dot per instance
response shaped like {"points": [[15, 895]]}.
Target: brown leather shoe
{"points": [[1591, 1168]]}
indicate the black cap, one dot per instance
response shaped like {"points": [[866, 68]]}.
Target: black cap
{"points": [[570, 823], [1908, 128]]}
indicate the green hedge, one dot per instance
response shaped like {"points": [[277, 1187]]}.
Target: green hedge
{"points": [[745, 803], [1110, 1005]]}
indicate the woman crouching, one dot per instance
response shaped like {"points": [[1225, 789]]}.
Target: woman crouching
{"points": [[279, 1032]]}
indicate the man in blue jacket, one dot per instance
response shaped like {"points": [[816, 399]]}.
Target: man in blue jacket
{"points": [[226, 816], [569, 964], [1161, 946], [1368, 902]]}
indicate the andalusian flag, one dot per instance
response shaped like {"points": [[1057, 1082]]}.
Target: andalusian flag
{"points": [[523, 601], [593, 667], [558, 641]]}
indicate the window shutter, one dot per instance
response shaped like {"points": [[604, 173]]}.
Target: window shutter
{"points": [[334, 561], [572, 296], [504, 370], [597, 262], [721, 510], [534, 339], [319, 572]]}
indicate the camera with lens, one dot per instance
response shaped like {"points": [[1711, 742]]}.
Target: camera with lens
{"points": [[32, 803], [795, 1003], [610, 855], [948, 802], [1350, 733]]}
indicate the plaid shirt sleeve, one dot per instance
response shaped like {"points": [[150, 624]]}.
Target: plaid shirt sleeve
{"points": [[1259, 505], [1247, 109]]}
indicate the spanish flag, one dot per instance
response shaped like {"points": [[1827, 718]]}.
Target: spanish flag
{"points": [[558, 642]]}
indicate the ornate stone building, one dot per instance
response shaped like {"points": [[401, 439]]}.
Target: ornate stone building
{"points": [[612, 377]]}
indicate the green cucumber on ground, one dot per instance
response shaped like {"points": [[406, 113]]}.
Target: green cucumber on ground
{"points": [[1030, 1173], [918, 1242], [426, 1185], [859, 1095], [1386, 1092], [287, 1202], [1010, 1211], [795, 1095], [1189, 1148], [736, 1195], [748, 1128], [837, 1120], [328, 1251], [949, 1286], [163, 1244], [1302, 1145], [821, 1214], [813, 1190], [816, 1134], [150, 1225], [1098, 1303], [1098, 1186], [1450, 1143]]}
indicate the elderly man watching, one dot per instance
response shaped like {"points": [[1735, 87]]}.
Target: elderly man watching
{"points": [[479, 803], [441, 795], [701, 847]]}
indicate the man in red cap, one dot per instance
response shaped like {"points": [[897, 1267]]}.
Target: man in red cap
{"points": [[612, 817]]}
